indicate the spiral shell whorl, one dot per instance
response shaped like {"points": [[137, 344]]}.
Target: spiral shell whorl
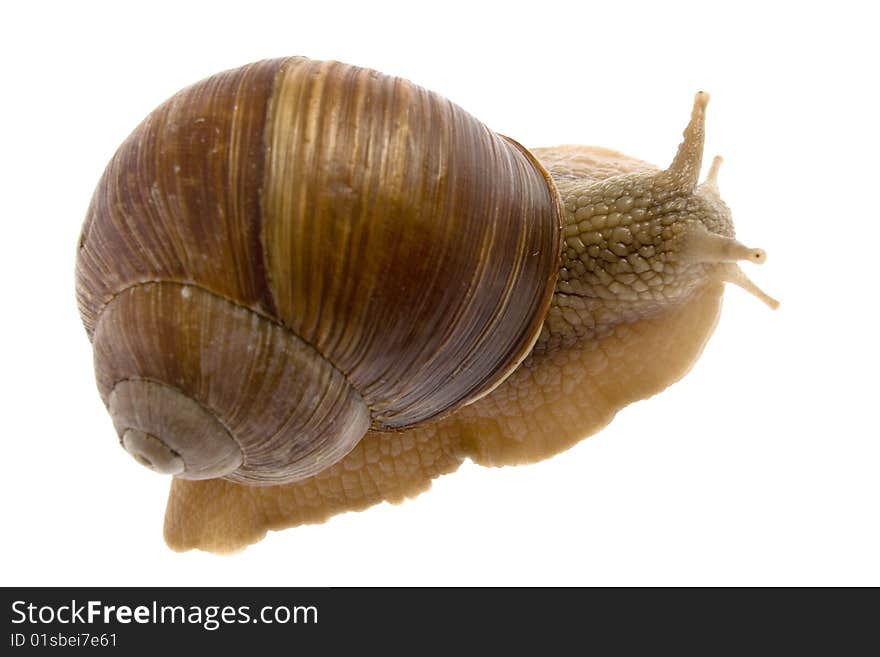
{"points": [[288, 410], [287, 254]]}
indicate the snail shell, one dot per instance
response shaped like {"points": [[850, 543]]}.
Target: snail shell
{"points": [[288, 254]]}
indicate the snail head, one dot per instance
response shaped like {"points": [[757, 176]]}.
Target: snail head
{"points": [[662, 224]]}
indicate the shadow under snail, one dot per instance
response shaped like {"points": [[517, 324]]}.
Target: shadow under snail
{"points": [[311, 287]]}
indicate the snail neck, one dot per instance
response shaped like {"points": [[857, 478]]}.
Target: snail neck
{"points": [[621, 257]]}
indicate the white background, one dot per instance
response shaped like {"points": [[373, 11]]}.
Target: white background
{"points": [[760, 467]]}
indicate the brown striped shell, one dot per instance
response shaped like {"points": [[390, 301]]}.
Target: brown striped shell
{"points": [[286, 255]]}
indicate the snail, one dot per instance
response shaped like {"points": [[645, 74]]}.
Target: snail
{"points": [[311, 287]]}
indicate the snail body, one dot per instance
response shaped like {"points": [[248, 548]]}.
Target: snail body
{"points": [[311, 287]]}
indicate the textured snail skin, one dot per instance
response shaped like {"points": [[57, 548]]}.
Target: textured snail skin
{"points": [[329, 308]]}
